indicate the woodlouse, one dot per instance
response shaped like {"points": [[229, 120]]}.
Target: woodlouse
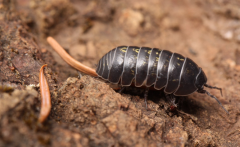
{"points": [[148, 68], [151, 67]]}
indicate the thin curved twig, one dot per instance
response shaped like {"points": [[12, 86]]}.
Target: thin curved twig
{"points": [[45, 96], [71, 61]]}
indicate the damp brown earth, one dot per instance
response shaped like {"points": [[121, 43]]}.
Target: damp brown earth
{"points": [[87, 111]]}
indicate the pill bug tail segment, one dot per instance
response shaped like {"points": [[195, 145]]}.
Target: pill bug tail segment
{"points": [[45, 96], [71, 61], [212, 96]]}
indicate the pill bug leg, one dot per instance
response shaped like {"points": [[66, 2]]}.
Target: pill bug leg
{"points": [[172, 100], [79, 75], [146, 96], [121, 90]]}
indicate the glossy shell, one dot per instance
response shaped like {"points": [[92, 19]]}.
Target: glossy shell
{"points": [[149, 67]]}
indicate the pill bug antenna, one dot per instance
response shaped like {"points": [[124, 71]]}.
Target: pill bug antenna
{"points": [[212, 96], [208, 86]]}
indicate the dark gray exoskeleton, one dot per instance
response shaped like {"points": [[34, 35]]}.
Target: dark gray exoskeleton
{"points": [[151, 67]]}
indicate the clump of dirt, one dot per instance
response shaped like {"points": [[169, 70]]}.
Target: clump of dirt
{"points": [[87, 111], [20, 55]]}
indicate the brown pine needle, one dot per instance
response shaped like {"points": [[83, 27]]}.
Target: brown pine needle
{"points": [[70, 60], [45, 96]]}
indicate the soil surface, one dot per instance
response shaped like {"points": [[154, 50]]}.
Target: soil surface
{"points": [[87, 111]]}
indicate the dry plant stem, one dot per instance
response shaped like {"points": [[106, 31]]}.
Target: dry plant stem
{"points": [[45, 96], [74, 63]]}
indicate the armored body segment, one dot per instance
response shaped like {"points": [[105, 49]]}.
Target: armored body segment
{"points": [[174, 72], [142, 66], [162, 69], [109, 59], [100, 67], [188, 78], [201, 79], [117, 65], [129, 68], [152, 67], [105, 65], [112, 53]]}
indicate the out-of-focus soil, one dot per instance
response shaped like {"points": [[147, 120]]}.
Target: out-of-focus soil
{"points": [[87, 111]]}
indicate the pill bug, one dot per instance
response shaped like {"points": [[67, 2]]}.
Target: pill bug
{"points": [[149, 68], [153, 68]]}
